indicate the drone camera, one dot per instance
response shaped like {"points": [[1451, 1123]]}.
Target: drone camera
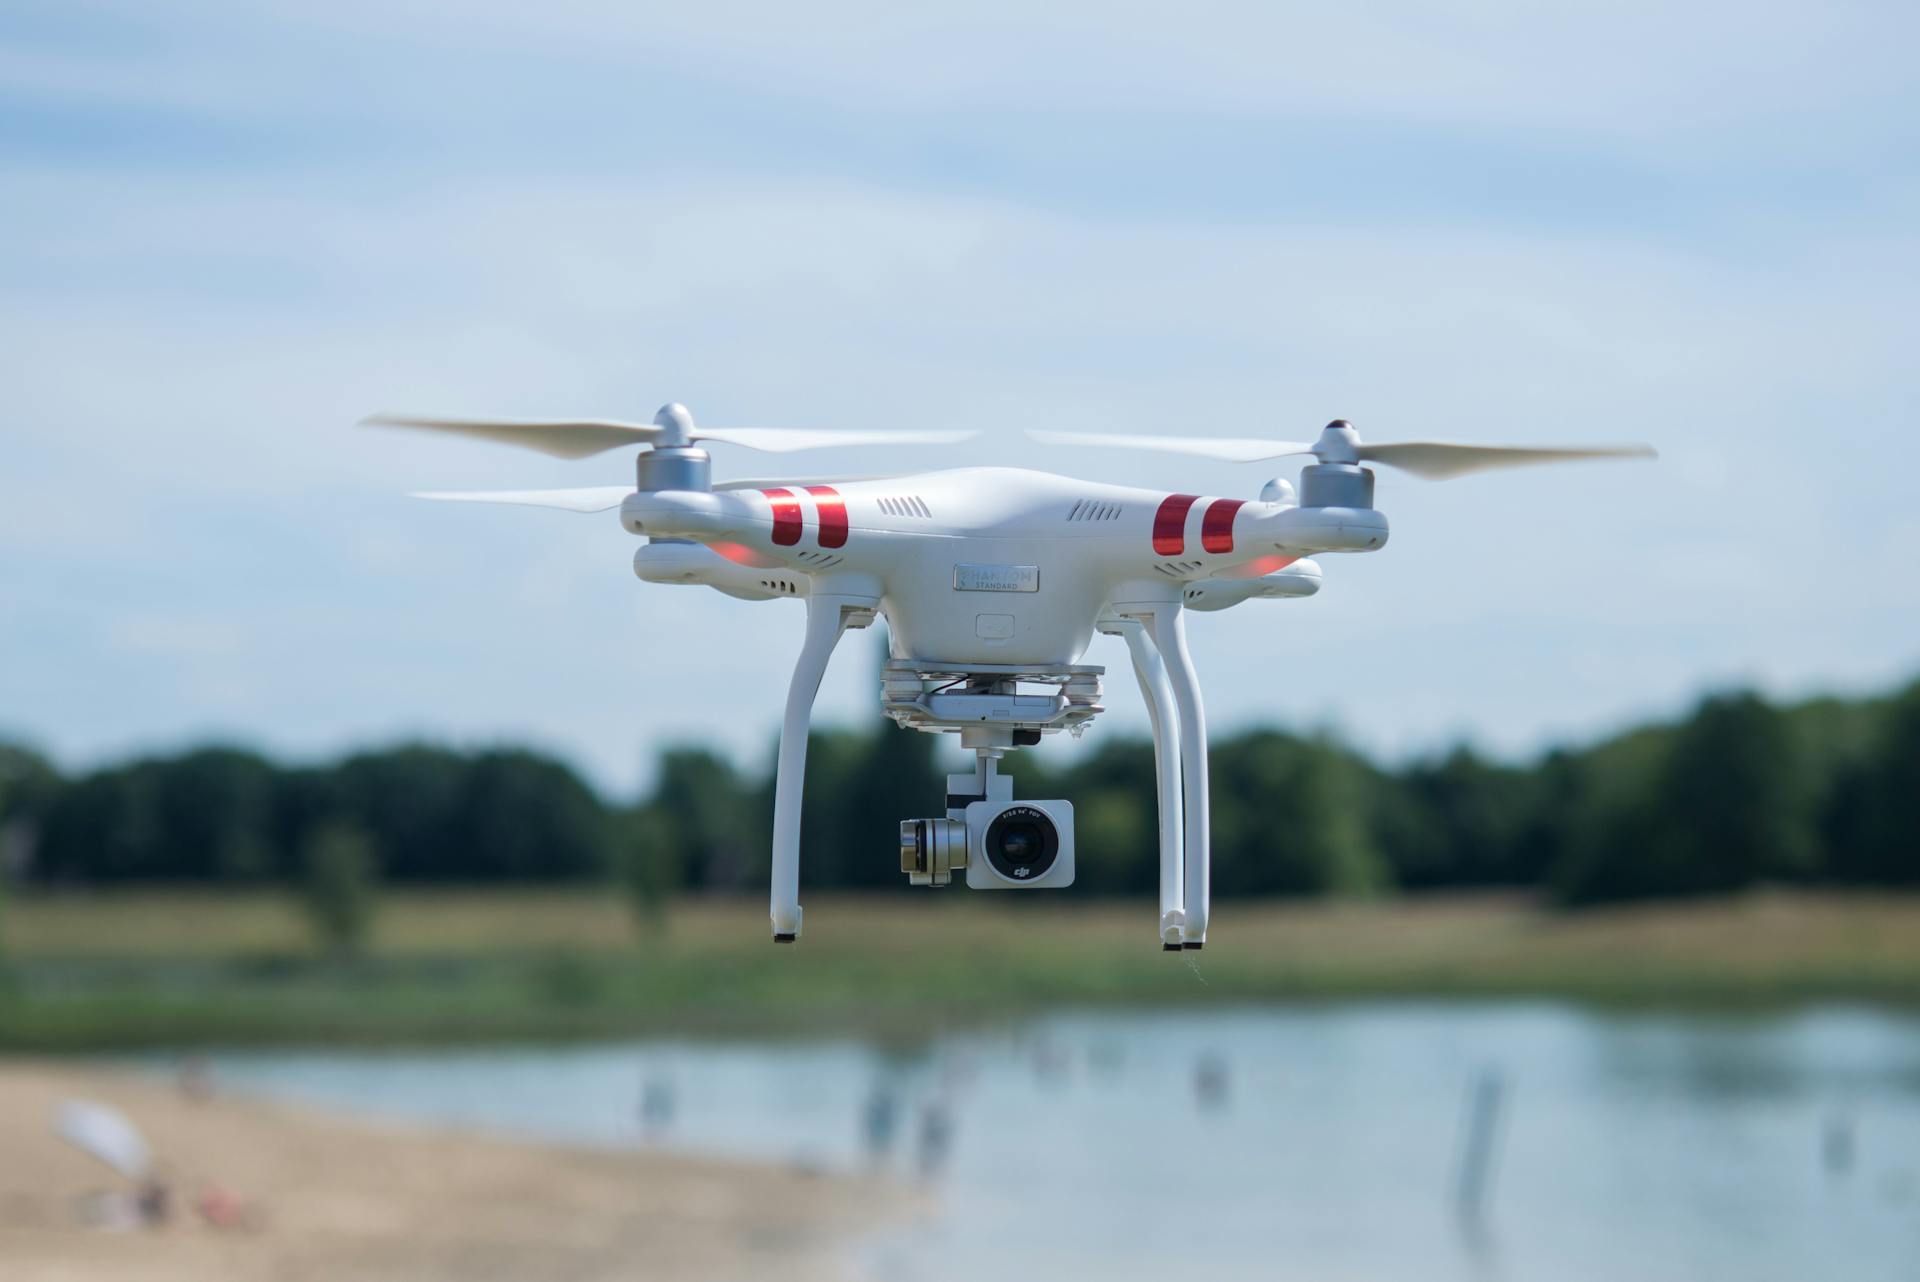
{"points": [[1002, 844], [1019, 845]]}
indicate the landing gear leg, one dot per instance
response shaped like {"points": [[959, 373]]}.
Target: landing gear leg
{"points": [[1170, 636], [827, 618], [1165, 718]]}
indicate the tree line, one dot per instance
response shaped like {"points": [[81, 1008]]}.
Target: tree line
{"points": [[1739, 792]]}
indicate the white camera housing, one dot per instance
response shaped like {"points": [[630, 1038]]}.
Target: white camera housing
{"points": [[1019, 845]]}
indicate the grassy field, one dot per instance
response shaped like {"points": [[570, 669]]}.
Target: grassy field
{"points": [[92, 971]]}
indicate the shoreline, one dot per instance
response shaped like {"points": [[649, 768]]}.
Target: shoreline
{"points": [[322, 1195], [136, 970]]}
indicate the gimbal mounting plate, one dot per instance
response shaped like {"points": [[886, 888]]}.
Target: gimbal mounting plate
{"points": [[970, 698]]}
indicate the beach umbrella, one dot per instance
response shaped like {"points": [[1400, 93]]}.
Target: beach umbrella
{"points": [[106, 1134]]}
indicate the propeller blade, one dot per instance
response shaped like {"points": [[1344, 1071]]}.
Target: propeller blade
{"points": [[602, 498], [777, 482], [781, 440], [1437, 461], [580, 438], [569, 438], [1228, 449], [592, 498]]}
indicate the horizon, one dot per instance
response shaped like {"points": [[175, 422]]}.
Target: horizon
{"points": [[1054, 752]]}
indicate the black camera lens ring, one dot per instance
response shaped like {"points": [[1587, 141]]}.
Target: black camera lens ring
{"points": [[1006, 838]]}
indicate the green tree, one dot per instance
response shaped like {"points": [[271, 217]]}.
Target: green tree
{"points": [[521, 816], [831, 825], [218, 802], [407, 798], [1290, 818], [648, 868], [867, 784], [1116, 841], [6, 873], [1738, 797], [500, 815], [716, 820], [1720, 803], [1873, 818], [203, 815], [1116, 818], [338, 890], [29, 785], [1459, 821]]}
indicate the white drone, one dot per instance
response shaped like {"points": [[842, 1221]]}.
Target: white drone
{"points": [[993, 582]]}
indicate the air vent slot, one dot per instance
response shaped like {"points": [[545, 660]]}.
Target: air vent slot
{"points": [[780, 585], [906, 505], [1095, 510], [819, 559]]}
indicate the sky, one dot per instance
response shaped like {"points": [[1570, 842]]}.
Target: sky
{"points": [[230, 231]]}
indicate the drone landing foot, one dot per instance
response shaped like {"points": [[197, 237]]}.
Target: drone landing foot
{"points": [[784, 939], [1170, 948], [1195, 944]]}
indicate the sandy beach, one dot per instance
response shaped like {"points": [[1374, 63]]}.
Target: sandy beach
{"points": [[322, 1197]]}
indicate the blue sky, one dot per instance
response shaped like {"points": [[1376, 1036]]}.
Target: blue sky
{"points": [[227, 232]]}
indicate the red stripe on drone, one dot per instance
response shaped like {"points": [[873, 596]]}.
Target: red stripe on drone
{"points": [[1216, 527], [833, 515], [1170, 524], [786, 517]]}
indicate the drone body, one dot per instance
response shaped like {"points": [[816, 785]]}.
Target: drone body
{"points": [[993, 582], [986, 565]]}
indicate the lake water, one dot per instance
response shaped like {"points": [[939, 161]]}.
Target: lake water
{"points": [[1316, 1142]]}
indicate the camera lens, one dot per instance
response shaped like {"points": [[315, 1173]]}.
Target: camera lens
{"points": [[1022, 843]]}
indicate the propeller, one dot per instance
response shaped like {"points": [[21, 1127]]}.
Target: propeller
{"points": [[1339, 443], [592, 498], [672, 426], [601, 498], [773, 482]]}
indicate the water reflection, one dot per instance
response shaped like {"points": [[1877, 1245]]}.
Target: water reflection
{"points": [[1210, 1081], [1479, 1158], [656, 1104], [1836, 1142], [935, 1138], [879, 1122]]}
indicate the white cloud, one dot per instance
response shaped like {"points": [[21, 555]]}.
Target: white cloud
{"points": [[1664, 78]]}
